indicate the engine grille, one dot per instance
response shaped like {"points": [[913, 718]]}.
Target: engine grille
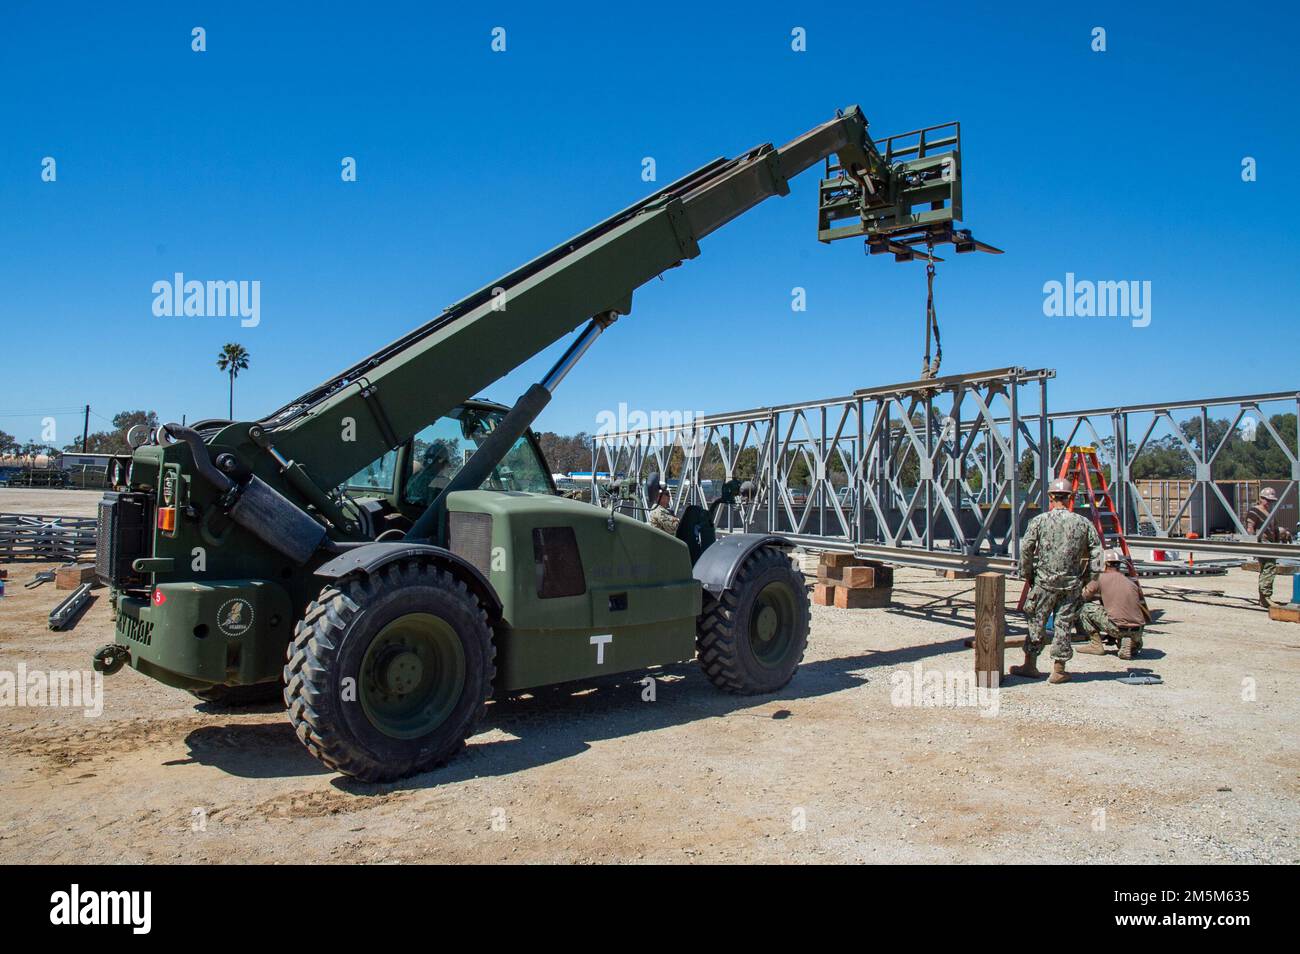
{"points": [[122, 537], [471, 538]]}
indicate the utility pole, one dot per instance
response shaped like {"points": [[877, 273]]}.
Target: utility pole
{"points": [[85, 429]]}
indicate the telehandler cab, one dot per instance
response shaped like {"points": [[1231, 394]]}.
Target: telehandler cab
{"points": [[387, 552]]}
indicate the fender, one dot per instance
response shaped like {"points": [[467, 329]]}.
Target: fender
{"points": [[717, 566], [374, 556]]}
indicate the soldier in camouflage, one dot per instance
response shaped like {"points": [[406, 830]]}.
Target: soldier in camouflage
{"points": [[1256, 517], [661, 513], [1059, 553]]}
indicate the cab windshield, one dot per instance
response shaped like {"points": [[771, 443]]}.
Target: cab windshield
{"points": [[440, 450], [437, 454]]}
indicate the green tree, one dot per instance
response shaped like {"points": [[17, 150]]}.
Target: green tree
{"points": [[1028, 472], [1240, 459], [1162, 458], [232, 359], [565, 454], [1166, 458], [32, 450], [114, 441]]}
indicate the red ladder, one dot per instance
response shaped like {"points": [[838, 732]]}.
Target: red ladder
{"points": [[1080, 466]]}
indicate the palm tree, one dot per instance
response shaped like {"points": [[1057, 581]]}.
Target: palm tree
{"points": [[232, 359]]}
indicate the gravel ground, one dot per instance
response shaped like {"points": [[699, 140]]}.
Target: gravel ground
{"points": [[1200, 769], [49, 503]]}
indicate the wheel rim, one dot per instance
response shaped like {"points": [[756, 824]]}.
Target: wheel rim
{"points": [[771, 625], [412, 675]]}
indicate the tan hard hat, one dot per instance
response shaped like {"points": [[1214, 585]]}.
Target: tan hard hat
{"points": [[1114, 556], [1059, 486], [1268, 493]]}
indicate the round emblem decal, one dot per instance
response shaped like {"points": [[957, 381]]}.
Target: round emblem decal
{"points": [[235, 617]]}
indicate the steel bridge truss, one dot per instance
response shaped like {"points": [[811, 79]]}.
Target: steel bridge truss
{"points": [[941, 472], [1128, 437], [929, 465]]}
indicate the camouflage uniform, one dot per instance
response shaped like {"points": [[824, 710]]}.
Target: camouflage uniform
{"points": [[1267, 578], [1255, 518], [662, 518], [1059, 552], [1093, 619]]}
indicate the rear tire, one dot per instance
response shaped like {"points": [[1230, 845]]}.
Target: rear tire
{"points": [[389, 673], [752, 637]]}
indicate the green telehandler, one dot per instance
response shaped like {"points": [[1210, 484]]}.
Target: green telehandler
{"points": [[387, 552]]}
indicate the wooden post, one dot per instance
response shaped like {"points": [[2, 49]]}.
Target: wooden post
{"points": [[990, 627]]}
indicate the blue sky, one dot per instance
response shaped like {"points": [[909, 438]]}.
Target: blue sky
{"points": [[1123, 165]]}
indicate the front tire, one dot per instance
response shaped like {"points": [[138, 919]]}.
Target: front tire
{"points": [[752, 636], [389, 673]]}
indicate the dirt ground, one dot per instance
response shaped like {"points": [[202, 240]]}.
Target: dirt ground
{"points": [[1203, 768], [49, 503]]}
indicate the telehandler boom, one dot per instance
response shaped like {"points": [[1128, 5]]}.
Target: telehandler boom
{"points": [[386, 552]]}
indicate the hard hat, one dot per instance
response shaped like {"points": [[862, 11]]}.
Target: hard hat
{"points": [[1059, 486], [1114, 556], [653, 489], [1268, 493]]}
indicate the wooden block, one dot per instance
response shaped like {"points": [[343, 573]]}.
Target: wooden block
{"points": [[838, 559], [884, 572], [823, 594], [71, 577], [846, 598], [859, 577], [830, 574], [990, 627], [1285, 614]]}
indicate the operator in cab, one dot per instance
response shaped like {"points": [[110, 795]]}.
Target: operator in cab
{"points": [[661, 514]]}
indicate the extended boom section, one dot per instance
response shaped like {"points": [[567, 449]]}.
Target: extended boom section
{"points": [[418, 378]]}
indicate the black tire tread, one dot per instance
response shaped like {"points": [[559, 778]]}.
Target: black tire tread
{"points": [[308, 695], [717, 637]]}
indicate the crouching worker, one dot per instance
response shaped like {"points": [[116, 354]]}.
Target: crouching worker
{"points": [[1113, 609], [1060, 552]]}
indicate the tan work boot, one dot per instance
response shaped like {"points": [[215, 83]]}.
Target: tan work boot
{"points": [[1094, 647], [1059, 674], [1129, 647], [1028, 669]]}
